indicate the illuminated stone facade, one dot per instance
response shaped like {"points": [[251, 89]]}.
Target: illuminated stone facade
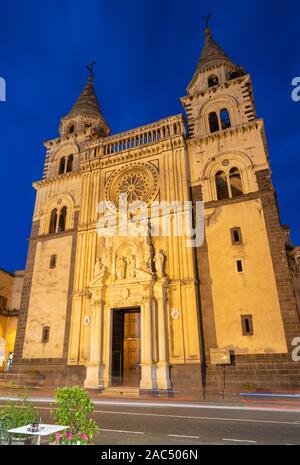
{"points": [[233, 292]]}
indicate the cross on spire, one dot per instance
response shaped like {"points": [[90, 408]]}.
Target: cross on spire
{"points": [[207, 19], [90, 68]]}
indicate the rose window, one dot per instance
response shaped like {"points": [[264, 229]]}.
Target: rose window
{"points": [[138, 181], [134, 185]]}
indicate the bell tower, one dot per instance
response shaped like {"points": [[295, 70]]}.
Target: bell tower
{"points": [[44, 325], [219, 95], [230, 172]]}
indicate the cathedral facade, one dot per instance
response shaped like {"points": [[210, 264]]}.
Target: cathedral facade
{"points": [[147, 310]]}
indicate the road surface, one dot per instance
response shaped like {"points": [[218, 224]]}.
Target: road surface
{"points": [[134, 422]]}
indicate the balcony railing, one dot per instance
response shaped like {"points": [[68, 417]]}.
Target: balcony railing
{"points": [[138, 138]]}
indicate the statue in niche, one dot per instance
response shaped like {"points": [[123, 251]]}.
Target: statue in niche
{"points": [[101, 264], [148, 256], [160, 260], [144, 253], [140, 252], [108, 253], [131, 266], [99, 267], [107, 257], [121, 265]]}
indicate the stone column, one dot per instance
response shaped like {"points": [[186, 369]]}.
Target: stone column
{"points": [[94, 371], [148, 381], [163, 369], [107, 346]]}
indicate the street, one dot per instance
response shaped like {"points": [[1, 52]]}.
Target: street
{"points": [[133, 422]]}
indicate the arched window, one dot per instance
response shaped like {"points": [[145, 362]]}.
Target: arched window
{"points": [[62, 165], [213, 122], [213, 80], [71, 129], [45, 334], [62, 219], [221, 185], [53, 222], [235, 74], [53, 260], [235, 182], [225, 118], [70, 163]]}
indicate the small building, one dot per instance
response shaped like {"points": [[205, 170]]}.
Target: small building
{"points": [[11, 285]]}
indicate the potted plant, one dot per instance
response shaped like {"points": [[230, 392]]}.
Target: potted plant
{"points": [[73, 409], [19, 412]]}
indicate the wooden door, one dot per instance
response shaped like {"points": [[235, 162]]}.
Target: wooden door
{"points": [[131, 348]]}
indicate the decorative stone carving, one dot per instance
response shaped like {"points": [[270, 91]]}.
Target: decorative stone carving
{"points": [[86, 321], [145, 253], [95, 297], [99, 267], [175, 314], [121, 266], [124, 293], [293, 257], [160, 261], [131, 266], [107, 256]]}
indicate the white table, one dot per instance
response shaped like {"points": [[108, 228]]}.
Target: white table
{"points": [[44, 430]]}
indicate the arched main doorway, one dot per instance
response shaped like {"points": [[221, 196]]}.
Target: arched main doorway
{"points": [[126, 347]]}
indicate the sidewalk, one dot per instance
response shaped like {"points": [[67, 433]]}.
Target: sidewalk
{"points": [[289, 401]]}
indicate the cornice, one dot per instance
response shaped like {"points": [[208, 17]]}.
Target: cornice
{"points": [[45, 182], [221, 135], [242, 198], [212, 90], [9, 313], [211, 68], [73, 138]]}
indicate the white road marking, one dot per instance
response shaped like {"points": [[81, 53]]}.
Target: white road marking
{"points": [[240, 440], [186, 417], [183, 436], [170, 404], [121, 431]]}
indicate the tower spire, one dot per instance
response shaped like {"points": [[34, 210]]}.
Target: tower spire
{"points": [[87, 101], [212, 53], [86, 111]]}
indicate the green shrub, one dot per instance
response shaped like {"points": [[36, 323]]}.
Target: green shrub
{"points": [[20, 411], [74, 409]]}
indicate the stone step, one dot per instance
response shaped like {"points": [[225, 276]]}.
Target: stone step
{"points": [[39, 379], [121, 392]]}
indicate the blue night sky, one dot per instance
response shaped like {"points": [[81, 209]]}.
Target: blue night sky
{"points": [[146, 53]]}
